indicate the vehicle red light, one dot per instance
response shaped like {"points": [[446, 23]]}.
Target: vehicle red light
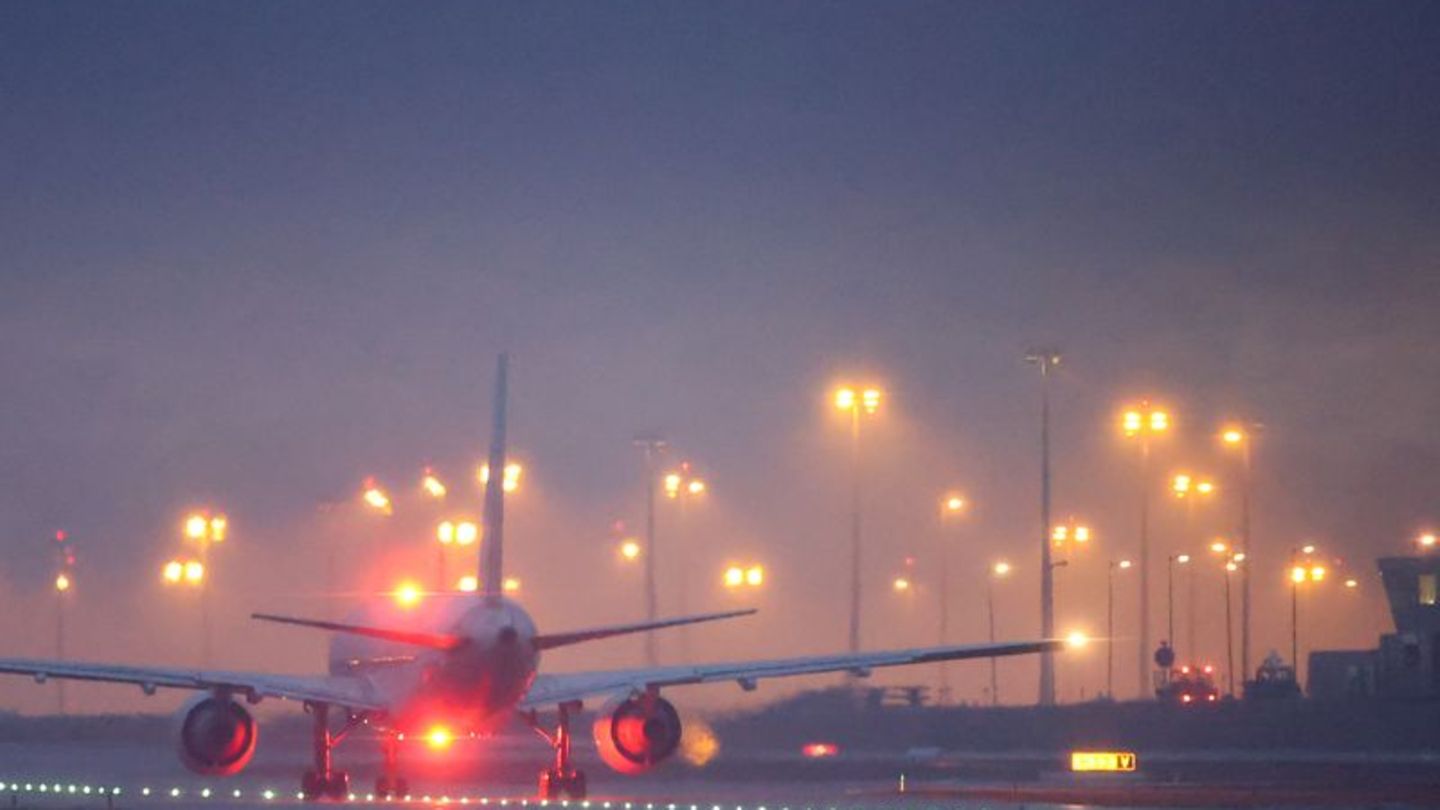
{"points": [[819, 750]]}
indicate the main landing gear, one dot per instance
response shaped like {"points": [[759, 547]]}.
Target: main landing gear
{"points": [[388, 785], [563, 779], [322, 781]]}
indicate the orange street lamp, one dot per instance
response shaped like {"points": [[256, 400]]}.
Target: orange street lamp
{"points": [[1115, 565], [510, 585], [999, 570], [376, 498], [432, 484], [736, 576], [953, 506], [1144, 422], [1301, 573], [1426, 541], [629, 550], [1238, 437], [901, 585], [511, 480], [854, 401]]}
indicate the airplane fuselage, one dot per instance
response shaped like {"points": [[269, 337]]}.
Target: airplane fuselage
{"points": [[470, 689]]}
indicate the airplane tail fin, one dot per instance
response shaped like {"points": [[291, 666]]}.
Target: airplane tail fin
{"points": [[492, 539]]}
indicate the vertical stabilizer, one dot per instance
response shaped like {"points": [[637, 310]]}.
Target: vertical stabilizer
{"points": [[492, 540]]}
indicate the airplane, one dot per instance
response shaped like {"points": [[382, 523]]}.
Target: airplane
{"points": [[466, 666]]}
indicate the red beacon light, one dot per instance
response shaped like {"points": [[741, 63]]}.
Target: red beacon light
{"points": [[819, 750]]}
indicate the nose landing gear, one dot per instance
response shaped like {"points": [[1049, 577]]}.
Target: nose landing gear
{"points": [[562, 779]]}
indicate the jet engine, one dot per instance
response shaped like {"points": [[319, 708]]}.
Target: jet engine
{"points": [[216, 736], [636, 734]]}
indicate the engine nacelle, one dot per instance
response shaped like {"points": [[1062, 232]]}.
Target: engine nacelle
{"points": [[215, 736], [631, 739]]}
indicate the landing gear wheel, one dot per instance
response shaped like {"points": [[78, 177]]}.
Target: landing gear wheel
{"points": [[313, 786], [555, 784], [387, 787], [338, 786]]}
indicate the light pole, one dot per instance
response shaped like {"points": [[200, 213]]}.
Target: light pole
{"points": [[1301, 572], [854, 402], [1189, 490], [651, 446], [205, 530], [1235, 436], [1117, 565], [1143, 423], [1233, 563], [952, 507], [64, 581], [1170, 562], [450, 533], [683, 486], [998, 571], [1046, 360]]}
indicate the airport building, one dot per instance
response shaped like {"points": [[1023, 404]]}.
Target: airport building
{"points": [[1406, 665]]}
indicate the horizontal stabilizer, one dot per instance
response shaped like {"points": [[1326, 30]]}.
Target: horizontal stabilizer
{"points": [[434, 641], [553, 640]]}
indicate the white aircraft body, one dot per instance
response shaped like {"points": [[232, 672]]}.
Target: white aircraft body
{"points": [[467, 663]]}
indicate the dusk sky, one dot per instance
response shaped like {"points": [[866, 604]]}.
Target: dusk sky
{"points": [[256, 252]]}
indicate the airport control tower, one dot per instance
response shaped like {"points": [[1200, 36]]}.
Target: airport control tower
{"points": [[1407, 662]]}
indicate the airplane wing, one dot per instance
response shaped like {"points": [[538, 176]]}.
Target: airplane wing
{"points": [[560, 688], [338, 690]]}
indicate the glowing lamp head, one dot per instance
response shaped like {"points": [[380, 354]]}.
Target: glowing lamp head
{"points": [[194, 572], [174, 571], [1232, 436], [1123, 564], [1082, 534], [1309, 549], [1183, 559], [376, 498], [432, 485], [845, 399], [1427, 540], [900, 585], [510, 585], [1352, 583], [954, 504], [1219, 547], [1060, 534], [672, 485], [196, 527], [871, 399], [1159, 421], [445, 532], [1232, 566], [1297, 574], [1317, 573], [1131, 422], [1001, 568], [630, 550], [219, 524], [734, 576], [1180, 485], [468, 584], [1205, 487], [466, 533], [696, 487], [755, 576], [62, 582], [1076, 640]]}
